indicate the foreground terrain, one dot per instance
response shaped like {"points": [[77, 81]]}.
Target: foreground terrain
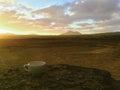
{"points": [[100, 51], [59, 77]]}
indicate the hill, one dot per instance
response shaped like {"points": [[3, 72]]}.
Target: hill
{"points": [[71, 33]]}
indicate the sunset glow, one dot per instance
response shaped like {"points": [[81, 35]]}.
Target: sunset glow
{"points": [[3, 31], [53, 17]]}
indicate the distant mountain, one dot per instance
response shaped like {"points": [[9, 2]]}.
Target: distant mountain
{"points": [[110, 35], [71, 33]]}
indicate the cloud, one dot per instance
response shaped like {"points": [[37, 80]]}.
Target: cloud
{"points": [[86, 16], [8, 1], [90, 9], [24, 22], [96, 9], [51, 11]]}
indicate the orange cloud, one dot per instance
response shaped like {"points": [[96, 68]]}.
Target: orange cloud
{"points": [[9, 20]]}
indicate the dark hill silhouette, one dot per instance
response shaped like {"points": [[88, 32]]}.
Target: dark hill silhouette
{"points": [[71, 33]]}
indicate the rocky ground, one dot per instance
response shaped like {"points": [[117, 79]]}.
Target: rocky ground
{"points": [[58, 77]]}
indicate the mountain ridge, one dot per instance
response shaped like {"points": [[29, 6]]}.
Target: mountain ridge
{"points": [[71, 33]]}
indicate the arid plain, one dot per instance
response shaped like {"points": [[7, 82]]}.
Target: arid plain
{"points": [[96, 51]]}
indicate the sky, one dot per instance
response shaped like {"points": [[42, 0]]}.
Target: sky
{"points": [[53, 17]]}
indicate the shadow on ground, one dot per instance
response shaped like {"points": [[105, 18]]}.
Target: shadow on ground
{"points": [[59, 77]]}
